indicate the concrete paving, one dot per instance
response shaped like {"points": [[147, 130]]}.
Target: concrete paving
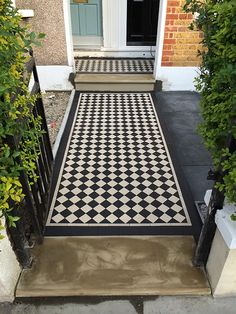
{"points": [[161, 305], [204, 305]]}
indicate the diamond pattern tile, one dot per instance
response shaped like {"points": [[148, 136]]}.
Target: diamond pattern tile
{"points": [[114, 65], [116, 169]]}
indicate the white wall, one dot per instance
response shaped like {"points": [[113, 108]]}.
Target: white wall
{"points": [[221, 263], [177, 78], [54, 77], [9, 271]]}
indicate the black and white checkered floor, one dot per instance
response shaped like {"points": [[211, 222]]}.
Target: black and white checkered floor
{"points": [[114, 65], [116, 170]]}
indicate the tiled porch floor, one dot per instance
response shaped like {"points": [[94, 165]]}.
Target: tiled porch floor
{"points": [[105, 65]]}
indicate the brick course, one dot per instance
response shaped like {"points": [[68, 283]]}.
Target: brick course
{"points": [[181, 45]]}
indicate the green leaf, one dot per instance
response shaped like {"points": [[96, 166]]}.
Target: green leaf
{"points": [[41, 36]]}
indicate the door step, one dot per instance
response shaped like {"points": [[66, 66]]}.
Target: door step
{"points": [[113, 266], [114, 82]]}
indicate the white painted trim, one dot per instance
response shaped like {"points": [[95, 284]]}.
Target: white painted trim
{"points": [[111, 25], [160, 35], [68, 33], [63, 124], [207, 197], [54, 77], [161, 30], [117, 54], [123, 25], [130, 48], [26, 13], [177, 78], [226, 226]]}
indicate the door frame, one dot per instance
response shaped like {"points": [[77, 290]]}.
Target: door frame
{"points": [[120, 16]]}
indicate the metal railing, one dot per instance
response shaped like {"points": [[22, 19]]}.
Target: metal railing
{"points": [[34, 208], [216, 203]]}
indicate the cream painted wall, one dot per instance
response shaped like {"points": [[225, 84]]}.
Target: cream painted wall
{"points": [[222, 259], [9, 271], [221, 267]]}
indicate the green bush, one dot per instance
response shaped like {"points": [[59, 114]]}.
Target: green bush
{"points": [[16, 105], [217, 84]]}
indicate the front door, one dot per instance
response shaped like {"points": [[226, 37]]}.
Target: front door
{"points": [[86, 19], [142, 17]]}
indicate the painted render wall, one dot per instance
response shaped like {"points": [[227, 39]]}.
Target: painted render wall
{"points": [[49, 19]]}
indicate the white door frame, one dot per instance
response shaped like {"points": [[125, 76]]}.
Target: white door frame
{"points": [[160, 36], [68, 33], [114, 29]]}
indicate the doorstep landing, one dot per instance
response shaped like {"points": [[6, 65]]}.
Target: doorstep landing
{"points": [[113, 266]]}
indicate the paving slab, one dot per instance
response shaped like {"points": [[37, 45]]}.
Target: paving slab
{"points": [[108, 307], [180, 305], [180, 113], [198, 174], [161, 305]]}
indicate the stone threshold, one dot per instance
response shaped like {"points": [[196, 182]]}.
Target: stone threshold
{"points": [[113, 266]]}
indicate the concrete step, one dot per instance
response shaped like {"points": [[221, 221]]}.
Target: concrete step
{"points": [[113, 266], [114, 82]]}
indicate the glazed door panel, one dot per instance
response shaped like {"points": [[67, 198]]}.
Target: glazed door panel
{"points": [[142, 17]]}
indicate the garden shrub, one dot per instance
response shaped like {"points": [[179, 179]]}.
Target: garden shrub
{"points": [[217, 84], [16, 106]]}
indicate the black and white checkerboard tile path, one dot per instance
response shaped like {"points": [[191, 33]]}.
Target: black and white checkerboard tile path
{"points": [[116, 169], [114, 65]]}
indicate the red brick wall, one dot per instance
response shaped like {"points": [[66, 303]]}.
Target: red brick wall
{"points": [[180, 44]]}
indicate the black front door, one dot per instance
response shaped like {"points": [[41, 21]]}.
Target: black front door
{"points": [[142, 17]]}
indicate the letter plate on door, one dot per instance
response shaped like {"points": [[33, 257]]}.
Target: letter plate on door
{"points": [[80, 1]]}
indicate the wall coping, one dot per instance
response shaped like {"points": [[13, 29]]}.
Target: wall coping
{"points": [[26, 13]]}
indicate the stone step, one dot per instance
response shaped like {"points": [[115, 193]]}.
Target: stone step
{"points": [[114, 82], [113, 266]]}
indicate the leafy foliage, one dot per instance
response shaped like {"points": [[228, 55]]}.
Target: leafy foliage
{"points": [[16, 105], [217, 83]]}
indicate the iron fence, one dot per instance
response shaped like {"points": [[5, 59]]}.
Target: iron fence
{"points": [[216, 203], [33, 209]]}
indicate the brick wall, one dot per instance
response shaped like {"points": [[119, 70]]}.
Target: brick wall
{"points": [[180, 44]]}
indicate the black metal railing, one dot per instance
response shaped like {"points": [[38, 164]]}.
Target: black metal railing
{"points": [[34, 208], [216, 203]]}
